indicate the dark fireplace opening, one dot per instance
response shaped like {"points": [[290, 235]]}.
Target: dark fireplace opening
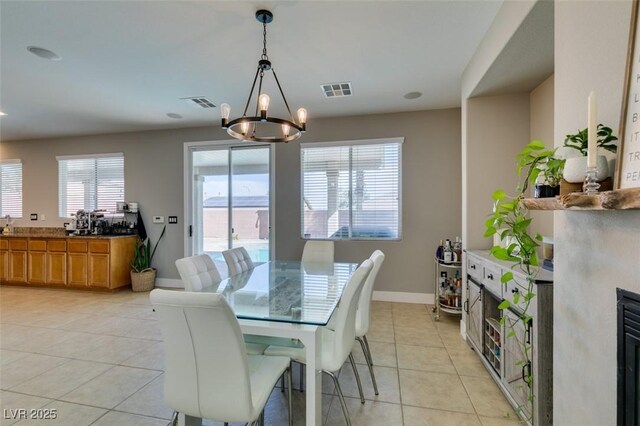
{"points": [[628, 357]]}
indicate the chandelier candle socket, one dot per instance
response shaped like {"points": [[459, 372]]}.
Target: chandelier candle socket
{"points": [[255, 128]]}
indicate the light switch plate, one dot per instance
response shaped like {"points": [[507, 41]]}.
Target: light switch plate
{"points": [[173, 219], [158, 219]]}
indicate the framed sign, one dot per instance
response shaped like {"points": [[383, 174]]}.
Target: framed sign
{"points": [[628, 170]]}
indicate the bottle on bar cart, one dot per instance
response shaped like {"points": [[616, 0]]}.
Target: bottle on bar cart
{"points": [[448, 252]]}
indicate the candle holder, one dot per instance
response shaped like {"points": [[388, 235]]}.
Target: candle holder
{"points": [[591, 185]]}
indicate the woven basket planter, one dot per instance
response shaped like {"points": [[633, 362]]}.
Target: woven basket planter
{"points": [[143, 281]]}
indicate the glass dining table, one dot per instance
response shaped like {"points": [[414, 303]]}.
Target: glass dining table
{"points": [[289, 299]]}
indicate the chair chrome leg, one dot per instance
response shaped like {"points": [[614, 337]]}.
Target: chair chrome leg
{"points": [[355, 371], [367, 357], [366, 342], [289, 393], [340, 397]]}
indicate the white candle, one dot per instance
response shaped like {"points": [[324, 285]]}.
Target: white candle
{"points": [[592, 147]]}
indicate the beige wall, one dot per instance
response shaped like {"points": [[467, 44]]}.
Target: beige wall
{"points": [[497, 128], [541, 128], [430, 187], [154, 178], [595, 252]]}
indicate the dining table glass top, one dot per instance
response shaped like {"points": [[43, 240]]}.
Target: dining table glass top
{"points": [[286, 291]]}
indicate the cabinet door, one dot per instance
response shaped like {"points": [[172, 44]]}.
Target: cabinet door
{"points": [[77, 269], [57, 268], [37, 267], [515, 366], [4, 266], [474, 330], [99, 270], [18, 266]]}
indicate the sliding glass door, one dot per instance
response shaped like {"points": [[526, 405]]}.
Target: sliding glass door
{"points": [[230, 203]]}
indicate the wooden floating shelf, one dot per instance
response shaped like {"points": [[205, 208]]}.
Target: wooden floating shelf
{"points": [[620, 199]]}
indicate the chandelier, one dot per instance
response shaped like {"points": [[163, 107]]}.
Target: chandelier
{"points": [[246, 127]]}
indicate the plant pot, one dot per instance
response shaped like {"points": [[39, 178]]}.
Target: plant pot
{"points": [[546, 191], [575, 169], [144, 280]]}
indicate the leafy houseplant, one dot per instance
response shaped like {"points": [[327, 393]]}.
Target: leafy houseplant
{"points": [[143, 276], [541, 162], [579, 141], [511, 221], [576, 166]]}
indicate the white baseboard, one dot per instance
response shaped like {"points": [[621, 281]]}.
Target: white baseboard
{"points": [[402, 297], [169, 283]]}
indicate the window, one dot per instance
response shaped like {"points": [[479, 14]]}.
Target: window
{"points": [[11, 188], [90, 182], [351, 190]]}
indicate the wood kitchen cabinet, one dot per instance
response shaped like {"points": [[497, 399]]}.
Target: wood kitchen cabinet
{"points": [[89, 263], [37, 263], [57, 262], [18, 260], [4, 260]]}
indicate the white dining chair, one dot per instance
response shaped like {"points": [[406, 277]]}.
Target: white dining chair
{"points": [[318, 251], [208, 373], [200, 271], [363, 316], [335, 347], [238, 260]]}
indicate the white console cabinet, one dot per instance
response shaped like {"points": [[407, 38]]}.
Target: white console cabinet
{"points": [[497, 335]]}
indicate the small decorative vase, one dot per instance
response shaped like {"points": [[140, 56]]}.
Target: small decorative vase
{"points": [[575, 169]]}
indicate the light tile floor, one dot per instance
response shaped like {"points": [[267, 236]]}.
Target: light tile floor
{"points": [[97, 359]]}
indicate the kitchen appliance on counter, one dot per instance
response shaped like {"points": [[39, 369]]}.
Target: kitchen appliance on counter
{"points": [[102, 222]]}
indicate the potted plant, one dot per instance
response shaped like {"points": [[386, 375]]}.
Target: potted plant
{"points": [[544, 170], [576, 165], [143, 276]]}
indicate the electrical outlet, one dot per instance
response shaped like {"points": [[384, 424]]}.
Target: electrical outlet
{"points": [[173, 219], [158, 219], [41, 217], [34, 216]]}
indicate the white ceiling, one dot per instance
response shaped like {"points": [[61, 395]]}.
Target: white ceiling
{"points": [[125, 65]]}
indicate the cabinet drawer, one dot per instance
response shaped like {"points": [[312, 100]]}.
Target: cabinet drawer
{"points": [[474, 268], [512, 287], [4, 245], [37, 245], [18, 245], [99, 246], [491, 279], [77, 246], [57, 245]]}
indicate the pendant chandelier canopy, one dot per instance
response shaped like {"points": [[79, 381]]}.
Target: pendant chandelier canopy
{"points": [[261, 127]]}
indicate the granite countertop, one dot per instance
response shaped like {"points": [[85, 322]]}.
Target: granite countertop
{"points": [[44, 235]]}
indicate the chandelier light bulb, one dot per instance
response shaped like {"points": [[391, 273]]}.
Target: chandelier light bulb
{"points": [[263, 100], [244, 127], [285, 129], [225, 110], [302, 116]]}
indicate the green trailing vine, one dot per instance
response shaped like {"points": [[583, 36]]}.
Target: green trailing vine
{"points": [[510, 220]]}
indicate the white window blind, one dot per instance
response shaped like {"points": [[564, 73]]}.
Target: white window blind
{"points": [[11, 188], [90, 183], [351, 190]]}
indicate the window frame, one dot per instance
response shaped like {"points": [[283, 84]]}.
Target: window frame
{"points": [[351, 143], [9, 162], [94, 157]]}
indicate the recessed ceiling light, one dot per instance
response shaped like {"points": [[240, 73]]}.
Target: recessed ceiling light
{"points": [[174, 115], [44, 53], [412, 95]]}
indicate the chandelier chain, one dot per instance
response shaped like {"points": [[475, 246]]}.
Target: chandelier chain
{"points": [[264, 41]]}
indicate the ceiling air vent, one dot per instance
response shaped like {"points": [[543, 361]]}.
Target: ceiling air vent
{"points": [[199, 101], [336, 90]]}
